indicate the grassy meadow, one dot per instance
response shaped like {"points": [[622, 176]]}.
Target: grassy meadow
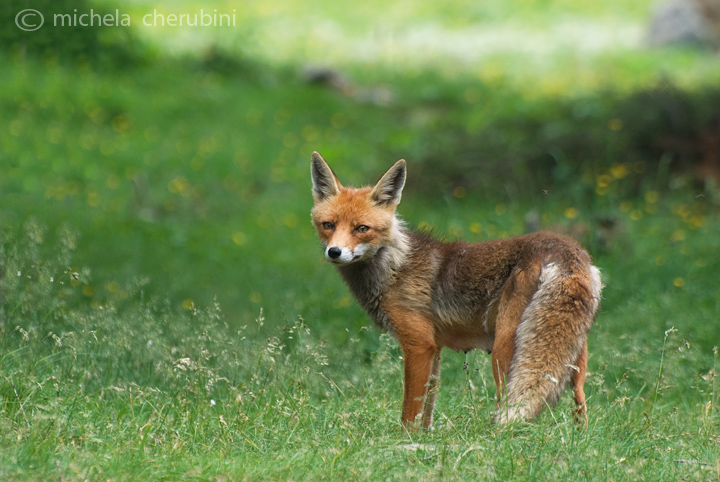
{"points": [[165, 311]]}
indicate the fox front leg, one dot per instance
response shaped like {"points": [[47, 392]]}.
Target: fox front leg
{"points": [[421, 355], [418, 365]]}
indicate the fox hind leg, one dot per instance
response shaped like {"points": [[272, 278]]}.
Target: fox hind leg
{"points": [[516, 295], [578, 381], [550, 339]]}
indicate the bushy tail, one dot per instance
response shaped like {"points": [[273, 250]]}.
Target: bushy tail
{"points": [[549, 340]]}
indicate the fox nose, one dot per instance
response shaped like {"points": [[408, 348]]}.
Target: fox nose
{"points": [[334, 252]]}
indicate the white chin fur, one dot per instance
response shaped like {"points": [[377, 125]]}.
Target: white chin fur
{"points": [[349, 255]]}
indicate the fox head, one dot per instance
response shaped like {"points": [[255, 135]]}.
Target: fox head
{"points": [[354, 224]]}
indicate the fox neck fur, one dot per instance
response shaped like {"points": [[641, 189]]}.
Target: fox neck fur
{"points": [[369, 279]]}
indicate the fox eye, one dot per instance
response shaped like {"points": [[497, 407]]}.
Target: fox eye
{"points": [[328, 226], [362, 229]]}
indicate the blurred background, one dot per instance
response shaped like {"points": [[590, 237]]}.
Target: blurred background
{"points": [[169, 142]]}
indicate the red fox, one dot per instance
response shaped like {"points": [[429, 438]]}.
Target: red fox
{"points": [[528, 300]]}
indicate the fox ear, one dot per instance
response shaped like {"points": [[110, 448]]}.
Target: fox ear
{"points": [[388, 189], [325, 182]]}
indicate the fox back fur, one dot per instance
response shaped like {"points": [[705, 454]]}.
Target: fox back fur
{"points": [[529, 300]]}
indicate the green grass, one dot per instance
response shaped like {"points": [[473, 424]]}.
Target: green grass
{"points": [[165, 312], [145, 391]]}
